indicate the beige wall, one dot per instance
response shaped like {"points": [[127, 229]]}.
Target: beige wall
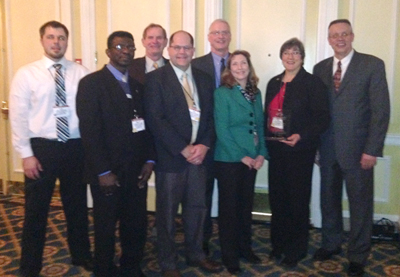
{"points": [[259, 26]]}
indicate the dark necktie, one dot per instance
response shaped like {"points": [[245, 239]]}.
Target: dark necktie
{"points": [[337, 76], [222, 65], [62, 122]]}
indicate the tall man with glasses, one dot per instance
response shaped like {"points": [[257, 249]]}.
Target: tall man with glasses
{"points": [[46, 135], [213, 64], [118, 153], [360, 111], [154, 41], [178, 104]]}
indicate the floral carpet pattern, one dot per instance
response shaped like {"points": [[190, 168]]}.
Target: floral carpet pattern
{"points": [[384, 259]]}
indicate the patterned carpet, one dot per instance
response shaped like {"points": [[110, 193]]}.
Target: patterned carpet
{"points": [[384, 259]]}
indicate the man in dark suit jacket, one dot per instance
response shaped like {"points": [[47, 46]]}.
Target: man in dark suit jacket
{"points": [[360, 110], [154, 41], [178, 103], [213, 64], [118, 157]]}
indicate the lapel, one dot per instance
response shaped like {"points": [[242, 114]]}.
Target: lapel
{"points": [[210, 67], [238, 97], [351, 72], [173, 87]]}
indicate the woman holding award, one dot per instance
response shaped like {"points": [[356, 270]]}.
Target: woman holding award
{"points": [[296, 114], [239, 152]]}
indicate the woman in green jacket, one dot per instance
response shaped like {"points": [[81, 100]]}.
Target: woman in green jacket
{"points": [[239, 152]]}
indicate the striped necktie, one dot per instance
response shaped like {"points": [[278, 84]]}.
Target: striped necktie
{"points": [[62, 122], [337, 76]]}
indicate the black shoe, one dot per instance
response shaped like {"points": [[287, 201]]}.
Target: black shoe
{"points": [[206, 265], [251, 257], [289, 263], [322, 254], [206, 248], [355, 269], [275, 254], [234, 270], [87, 264]]}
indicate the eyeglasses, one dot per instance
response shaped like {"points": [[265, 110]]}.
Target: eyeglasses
{"points": [[178, 48], [342, 35], [120, 47], [294, 53], [223, 33]]}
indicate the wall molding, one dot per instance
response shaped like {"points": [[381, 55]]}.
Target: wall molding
{"points": [[328, 11], [189, 17], [88, 34], [212, 11]]}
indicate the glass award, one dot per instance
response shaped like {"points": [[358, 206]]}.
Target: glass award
{"points": [[277, 125]]}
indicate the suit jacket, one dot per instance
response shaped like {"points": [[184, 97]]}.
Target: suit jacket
{"points": [[360, 111], [306, 106], [206, 64], [167, 116], [105, 115], [234, 119], [138, 69]]}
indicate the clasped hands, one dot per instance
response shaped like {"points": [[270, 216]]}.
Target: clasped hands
{"points": [[256, 163], [195, 154]]}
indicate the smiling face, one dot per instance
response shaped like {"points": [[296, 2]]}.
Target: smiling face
{"points": [[219, 37], [181, 50], [154, 42], [240, 69], [292, 60], [54, 42], [121, 58], [341, 39]]}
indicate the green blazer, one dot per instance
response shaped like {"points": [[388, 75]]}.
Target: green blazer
{"points": [[235, 122]]}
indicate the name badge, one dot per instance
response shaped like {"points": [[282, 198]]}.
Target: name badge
{"points": [[61, 111], [277, 122], [194, 114], [138, 125]]}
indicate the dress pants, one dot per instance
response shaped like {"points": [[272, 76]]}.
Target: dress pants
{"points": [[208, 225], [289, 184], [188, 188], [128, 206], [236, 195], [360, 191], [65, 162]]}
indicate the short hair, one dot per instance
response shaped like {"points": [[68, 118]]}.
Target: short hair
{"points": [[53, 24], [346, 21], [219, 20], [120, 34], [171, 39], [153, 25], [293, 43], [227, 78]]}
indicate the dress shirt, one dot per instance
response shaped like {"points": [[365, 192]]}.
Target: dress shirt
{"points": [[32, 98], [179, 74], [345, 63], [217, 67], [150, 63]]}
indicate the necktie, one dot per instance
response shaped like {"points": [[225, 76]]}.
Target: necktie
{"points": [[187, 90], [62, 122], [155, 65], [222, 65], [337, 76]]}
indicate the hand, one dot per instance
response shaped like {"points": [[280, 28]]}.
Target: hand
{"points": [[144, 176], [259, 161], [249, 162], [32, 167], [108, 183], [367, 161], [198, 154], [292, 140], [187, 151]]}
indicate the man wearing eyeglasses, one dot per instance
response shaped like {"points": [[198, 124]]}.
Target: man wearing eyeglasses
{"points": [[213, 64], [178, 104], [154, 41], [360, 110], [118, 152]]}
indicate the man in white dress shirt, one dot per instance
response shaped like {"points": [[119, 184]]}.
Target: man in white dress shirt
{"points": [[45, 133]]}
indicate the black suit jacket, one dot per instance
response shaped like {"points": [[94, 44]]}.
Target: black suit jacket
{"points": [[168, 119], [138, 69], [206, 64], [105, 115]]}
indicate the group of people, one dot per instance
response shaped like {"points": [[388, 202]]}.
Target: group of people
{"points": [[194, 121]]}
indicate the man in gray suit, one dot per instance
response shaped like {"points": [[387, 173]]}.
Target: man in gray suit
{"points": [[213, 64], [360, 111]]}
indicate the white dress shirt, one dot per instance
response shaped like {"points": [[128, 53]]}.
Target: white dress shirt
{"points": [[150, 64], [344, 63], [32, 98]]}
